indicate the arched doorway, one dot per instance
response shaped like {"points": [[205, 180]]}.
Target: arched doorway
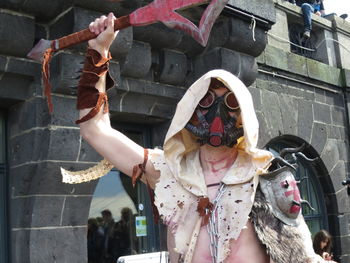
{"points": [[120, 217]]}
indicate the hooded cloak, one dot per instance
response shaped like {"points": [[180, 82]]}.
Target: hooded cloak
{"points": [[182, 182]]}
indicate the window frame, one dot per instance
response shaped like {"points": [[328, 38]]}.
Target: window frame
{"points": [[4, 194]]}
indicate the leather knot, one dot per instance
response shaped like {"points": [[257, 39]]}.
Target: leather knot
{"points": [[139, 169], [205, 208]]}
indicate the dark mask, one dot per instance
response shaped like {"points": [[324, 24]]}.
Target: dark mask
{"points": [[216, 127]]}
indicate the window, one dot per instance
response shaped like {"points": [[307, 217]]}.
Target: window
{"points": [[125, 226], [309, 187], [3, 194]]}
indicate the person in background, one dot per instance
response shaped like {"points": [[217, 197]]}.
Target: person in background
{"points": [[322, 244], [310, 7]]}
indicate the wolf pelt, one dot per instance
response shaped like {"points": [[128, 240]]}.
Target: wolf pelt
{"points": [[284, 243]]}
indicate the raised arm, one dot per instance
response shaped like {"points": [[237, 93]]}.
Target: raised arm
{"points": [[94, 121]]}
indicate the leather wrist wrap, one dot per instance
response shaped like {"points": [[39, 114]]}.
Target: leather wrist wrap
{"points": [[88, 96]]}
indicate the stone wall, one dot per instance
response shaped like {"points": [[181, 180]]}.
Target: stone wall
{"points": [[153, 65]]}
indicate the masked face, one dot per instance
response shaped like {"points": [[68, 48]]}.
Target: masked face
{"points": [[215, 119]]}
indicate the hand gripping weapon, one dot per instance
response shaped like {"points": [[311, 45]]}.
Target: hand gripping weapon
{"points": [[158, 11]]}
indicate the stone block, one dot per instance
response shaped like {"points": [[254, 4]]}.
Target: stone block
{"points": [[338, 116], [15, 88], [276, 58], [45, 178], [338, 202], [87, 153], [256, 95], [264, 131], [138, 62], [150, 88], [323, 72], [335, 99], [173, 67], [34, 113], [263, 9], [122, 45], [346, 74], [37, 211], [318, 136], [41, 9], [326, 49], [338, 175], [320, 96], [297, 64], [339, 224], [74, 20], [57, 249], [49, 143], [322, 113], [330, 154], [18, 44], [76, 210], [279, 31], [19, 245], [159, 36], [241, 38], [271, 109], [289, 114], [244, 66]]}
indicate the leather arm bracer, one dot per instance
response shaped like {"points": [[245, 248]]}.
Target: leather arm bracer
{"points": [[95, 67]]}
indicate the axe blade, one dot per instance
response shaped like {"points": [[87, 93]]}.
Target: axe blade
{"points": [[38, 50]]}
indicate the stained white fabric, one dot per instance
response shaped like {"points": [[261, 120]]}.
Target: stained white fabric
{"points": [[182, 181]]}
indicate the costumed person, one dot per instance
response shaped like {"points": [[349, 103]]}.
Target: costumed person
{"points": [[323, 244], [206, 177]]}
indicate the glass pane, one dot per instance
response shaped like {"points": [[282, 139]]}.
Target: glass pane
{"points": [[111, 225]]}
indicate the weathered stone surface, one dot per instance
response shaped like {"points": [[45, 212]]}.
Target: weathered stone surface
{"points": [[279, 31], [266, 8], [338, 116], [338, 175], [256, 95], [276, 58], [41, 9], [159, 36], [323, 72], [74, 20], [322, 113], [289, 114], [87, 153], [56, 246], [335, 99], [76, 210], [138, 62], [272, 111], [318, 136], [330, 154], [49, 143], [264, 131], [37, 211], [297, 64], [320, 96], [338, 224], [244, 66], [18, 44], [173, 67], [44, 178], [241, 38], [346, 74]]}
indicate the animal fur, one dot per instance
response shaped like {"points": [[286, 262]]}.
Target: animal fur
{"points": [[284, 244]]}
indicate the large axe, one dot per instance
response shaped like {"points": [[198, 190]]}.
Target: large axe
{"points": [[158, 11]]}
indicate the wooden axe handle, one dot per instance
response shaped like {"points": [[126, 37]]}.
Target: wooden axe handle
{"points": [[86, 34]]}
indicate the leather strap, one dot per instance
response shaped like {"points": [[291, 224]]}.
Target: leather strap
{"points": [[88, 96]]}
